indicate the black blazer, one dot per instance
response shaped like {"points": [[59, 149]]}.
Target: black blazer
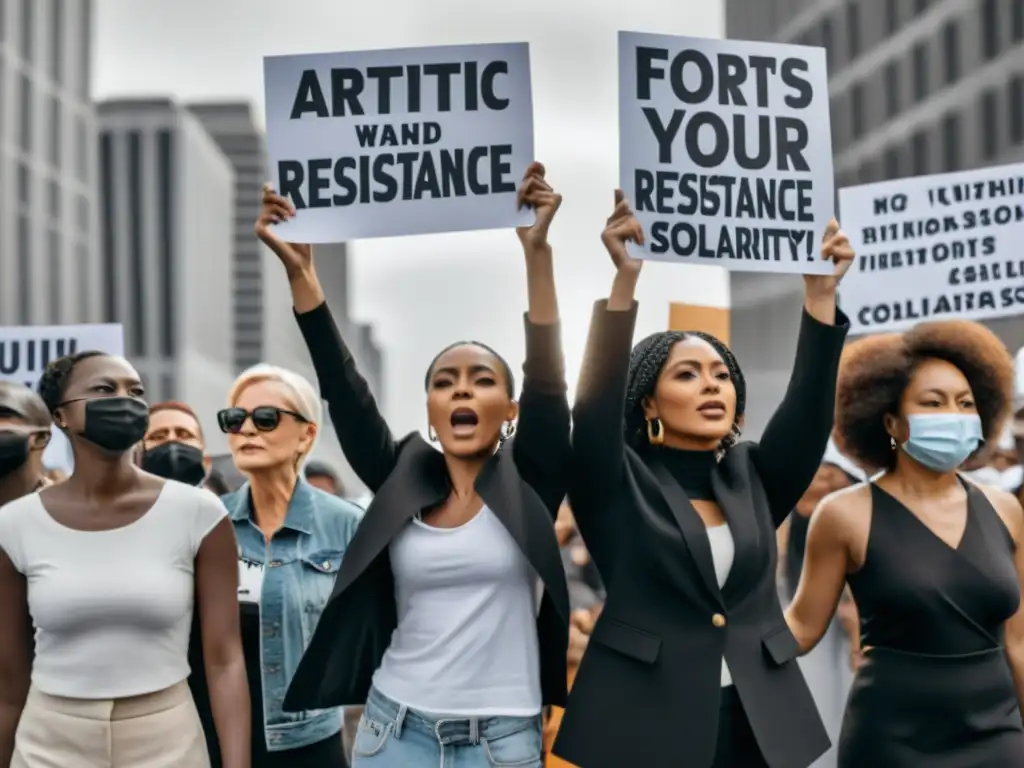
{"points": [[648, 690], [523, 484]]}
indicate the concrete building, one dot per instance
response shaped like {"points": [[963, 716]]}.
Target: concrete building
{"points": [[167, 197], [232, 125], [916, 87], [49, 256]]}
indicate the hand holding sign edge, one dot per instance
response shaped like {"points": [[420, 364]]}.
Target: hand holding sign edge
{"points": [[297, 258], [536, 193], [835, 247], [821, 291], [620, 228]]}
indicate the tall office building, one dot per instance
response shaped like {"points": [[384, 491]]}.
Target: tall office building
{"points": [[915, 87], [49, 265], [167, 197], [233, 126]]}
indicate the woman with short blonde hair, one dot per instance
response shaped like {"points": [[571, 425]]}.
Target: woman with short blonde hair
{"points": [[291, 539]]}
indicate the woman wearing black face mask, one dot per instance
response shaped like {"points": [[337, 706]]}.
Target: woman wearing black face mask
{"points": [[106, 566], [24, 434], [174, 445]]}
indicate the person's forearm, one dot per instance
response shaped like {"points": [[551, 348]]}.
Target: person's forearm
{"points": [[232, 716], [623, 289], [10, 714], [821, 306], [540, 286], [307, 293]]}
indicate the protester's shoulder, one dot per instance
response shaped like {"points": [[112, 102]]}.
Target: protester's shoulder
{"points": [[232, 499], [17, 519], [14, 514], [342, 511], [841, 510], [1006, 505], [206, 508]]}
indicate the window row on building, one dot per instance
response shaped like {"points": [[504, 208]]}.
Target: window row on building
{"points": [[39, 33], [926, 68], [996, 123], [857, 27]]}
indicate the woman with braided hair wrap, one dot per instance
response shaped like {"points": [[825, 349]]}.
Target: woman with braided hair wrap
{"points": [[680, 519]]}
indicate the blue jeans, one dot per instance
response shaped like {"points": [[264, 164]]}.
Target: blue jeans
{"points": [[390, 735]]}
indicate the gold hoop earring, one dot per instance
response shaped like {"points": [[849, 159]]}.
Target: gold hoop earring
{"points": [[655, 432], [431, 433]]}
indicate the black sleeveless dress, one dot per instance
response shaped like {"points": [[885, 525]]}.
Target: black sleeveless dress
{"points": [[936, 689]]}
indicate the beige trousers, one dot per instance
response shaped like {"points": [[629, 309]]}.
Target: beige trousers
{"points": [[156, 730]]}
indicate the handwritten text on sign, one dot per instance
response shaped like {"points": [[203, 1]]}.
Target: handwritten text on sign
{"points": [[935, 247], [400, 142], [725, 151]]}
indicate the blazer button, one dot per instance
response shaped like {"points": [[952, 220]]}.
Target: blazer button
{"points": [[718, 620]]}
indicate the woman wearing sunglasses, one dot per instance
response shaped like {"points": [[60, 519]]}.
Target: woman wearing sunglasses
{"points": [[291, 538], [449, 617]]}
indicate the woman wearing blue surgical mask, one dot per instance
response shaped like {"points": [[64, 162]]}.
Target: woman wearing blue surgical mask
{"points": [[934, 561]]}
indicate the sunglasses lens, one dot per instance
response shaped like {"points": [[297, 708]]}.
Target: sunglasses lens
{"points": [[265, 418], [231, 419]]}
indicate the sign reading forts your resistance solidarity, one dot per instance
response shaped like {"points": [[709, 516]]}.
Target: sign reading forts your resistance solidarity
{"points": [[934, 247], [725, 151], [400, 142]]}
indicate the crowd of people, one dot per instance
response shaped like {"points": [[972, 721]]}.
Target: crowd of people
{"points": [[626, 582]]}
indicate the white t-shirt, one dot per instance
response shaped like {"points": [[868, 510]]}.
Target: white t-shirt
{"points": [[112, 609], [466, 641]]}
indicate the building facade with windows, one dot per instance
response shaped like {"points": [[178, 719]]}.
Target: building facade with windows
{"points": [[170, 224], [915, 87], [49, 256], [233, 126], [166, 250]]}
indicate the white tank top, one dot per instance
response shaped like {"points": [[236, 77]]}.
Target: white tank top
{"points": [[466, 641], [112, 610]]}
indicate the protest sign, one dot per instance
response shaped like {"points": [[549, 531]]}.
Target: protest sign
{"points": [[933, 248], [725, 151], [26, 350], [400, 142]]}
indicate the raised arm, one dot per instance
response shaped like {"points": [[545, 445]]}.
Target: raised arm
{"points": [[362, 431], [541, 446], [794, 441], [598, 467], [15, 653]]}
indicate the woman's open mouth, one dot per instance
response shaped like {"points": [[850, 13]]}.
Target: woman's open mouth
{"points": [[464, 422]]}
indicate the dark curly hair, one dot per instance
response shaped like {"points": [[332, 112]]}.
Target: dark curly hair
{"points": [[875, 371], [54, 381], [510, 383], [645, 363]]}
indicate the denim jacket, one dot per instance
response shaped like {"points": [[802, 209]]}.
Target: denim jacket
{"points": [[300, 564]]}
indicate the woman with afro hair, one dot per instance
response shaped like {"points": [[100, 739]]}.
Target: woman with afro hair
{"points": [[933, 560], [680, 520]]}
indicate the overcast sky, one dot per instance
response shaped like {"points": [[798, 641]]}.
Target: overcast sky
{"points": [[423, 292]]}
